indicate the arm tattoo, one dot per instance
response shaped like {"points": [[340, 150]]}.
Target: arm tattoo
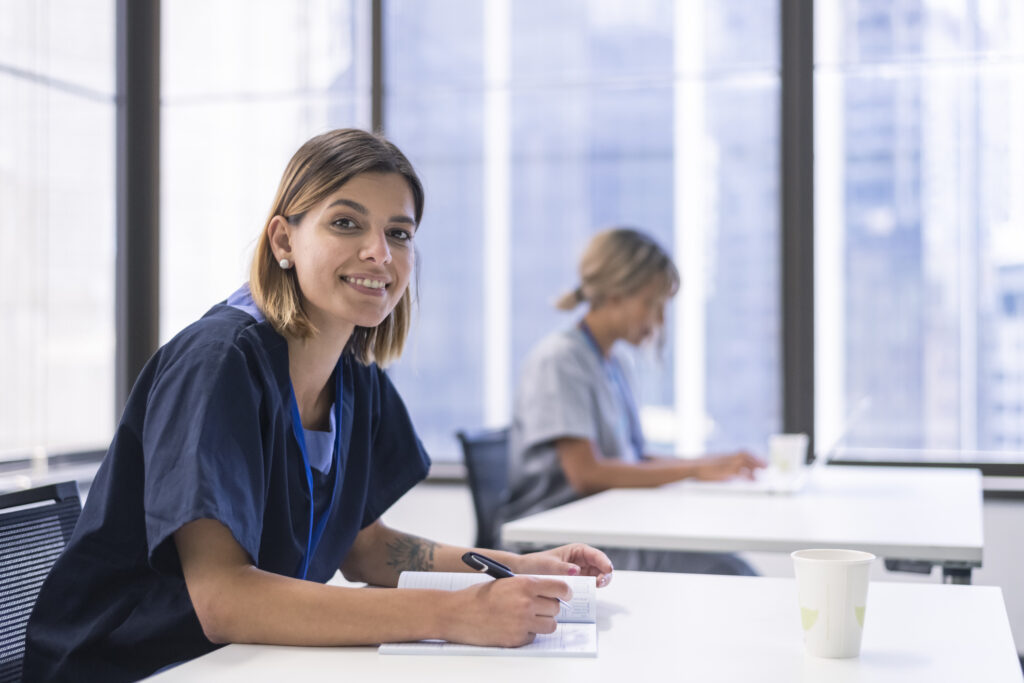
{"points": [[411, 553]]}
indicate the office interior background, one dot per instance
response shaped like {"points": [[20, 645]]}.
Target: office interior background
{"points": [[534, 123]]}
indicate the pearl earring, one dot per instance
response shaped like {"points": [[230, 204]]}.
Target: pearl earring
{"points": [[284, 263]]}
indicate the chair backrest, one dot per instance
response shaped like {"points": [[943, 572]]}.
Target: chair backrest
{"points": [[35, 525], [486, 456]]}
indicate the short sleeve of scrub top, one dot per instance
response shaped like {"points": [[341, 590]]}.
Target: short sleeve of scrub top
{"points": [[560, 403], [564, 391], [202, 445]]}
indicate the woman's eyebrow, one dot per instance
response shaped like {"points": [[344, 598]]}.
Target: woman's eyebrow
{"points": [[359, 208], [351, 204]]}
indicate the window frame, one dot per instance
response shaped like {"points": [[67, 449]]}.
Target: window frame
{"points": [[138, 125]]}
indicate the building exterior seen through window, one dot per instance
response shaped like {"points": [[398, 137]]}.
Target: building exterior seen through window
{"points": [[545, 121], [57, 177], [920, 228], [554, 120]]}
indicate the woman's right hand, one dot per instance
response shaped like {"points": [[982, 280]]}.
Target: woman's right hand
{"points": [[717, 467], [506, 612]]}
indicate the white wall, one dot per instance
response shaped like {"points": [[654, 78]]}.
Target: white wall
{"points": [[444, 512]]}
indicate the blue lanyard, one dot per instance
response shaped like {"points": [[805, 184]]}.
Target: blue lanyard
{"points": [[316, 526], [614, 373]]}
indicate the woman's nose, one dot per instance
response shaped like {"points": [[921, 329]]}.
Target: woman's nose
{"points": [[375, 248]]}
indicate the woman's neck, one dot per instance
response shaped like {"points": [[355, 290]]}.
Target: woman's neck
{"points": [[311, 363], [602, 330]]}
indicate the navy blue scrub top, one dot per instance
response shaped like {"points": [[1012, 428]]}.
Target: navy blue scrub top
{"points": [[207, 433]]}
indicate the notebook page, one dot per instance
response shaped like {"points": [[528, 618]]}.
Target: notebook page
{"points": [[568, 640]]}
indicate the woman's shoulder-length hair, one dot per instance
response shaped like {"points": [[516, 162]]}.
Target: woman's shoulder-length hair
{"points": [[317, 170]]}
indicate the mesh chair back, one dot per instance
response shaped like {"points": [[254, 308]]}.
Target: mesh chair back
{"points": [[486, 456], [35, 525]]}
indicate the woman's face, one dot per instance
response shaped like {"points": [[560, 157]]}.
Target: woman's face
{"points": [[642, 314], [353, 252]]}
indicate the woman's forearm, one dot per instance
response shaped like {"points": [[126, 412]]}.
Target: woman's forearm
{"points": [[380, 554], [607, 474], [589, 472], [261, 607], [239, 603]]}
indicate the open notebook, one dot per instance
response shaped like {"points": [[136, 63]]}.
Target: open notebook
{"points": [[576, 635]]}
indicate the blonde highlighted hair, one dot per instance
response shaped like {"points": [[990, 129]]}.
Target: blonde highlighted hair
{"points": [[620, 262], [316, 171]]}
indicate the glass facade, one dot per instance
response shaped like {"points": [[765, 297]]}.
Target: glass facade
{"points": [[57, 178], [554, 120], [434, 111], [920, 229], [541, 123], [244, 84]]}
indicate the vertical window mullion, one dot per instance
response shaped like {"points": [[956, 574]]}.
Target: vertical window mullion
{"points": [[377, 65], [497, 207], [138, 190], [829, 274], [797, 226], [690, 199]]}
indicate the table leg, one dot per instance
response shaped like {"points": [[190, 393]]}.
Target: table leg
{"points": [[956, 575], [952, 572], [911, 566]]}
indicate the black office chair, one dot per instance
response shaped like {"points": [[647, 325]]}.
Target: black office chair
{"points": [[486, 456], [35, 525]]}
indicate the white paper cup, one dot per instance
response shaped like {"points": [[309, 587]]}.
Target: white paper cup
{"points": [[787, 452], [832, 590]]}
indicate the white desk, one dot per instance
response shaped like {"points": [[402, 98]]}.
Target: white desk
{"points": [[696, 628], [931, 515]]}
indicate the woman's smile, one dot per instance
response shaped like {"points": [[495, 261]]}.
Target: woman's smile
{"points": [[366, 284], [360, 238]]}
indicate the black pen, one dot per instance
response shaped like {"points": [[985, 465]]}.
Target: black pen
{"points": [[493, 568]]}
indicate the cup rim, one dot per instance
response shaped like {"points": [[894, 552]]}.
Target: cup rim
{"points": [[851, 556], [788, 436]]}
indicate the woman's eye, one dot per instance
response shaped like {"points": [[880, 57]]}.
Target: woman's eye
{"points": [[345, 224], [400, 234]]}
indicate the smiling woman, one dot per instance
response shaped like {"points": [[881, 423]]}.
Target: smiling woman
{"points": [[398, 200], [258, 450], [352, 259]]}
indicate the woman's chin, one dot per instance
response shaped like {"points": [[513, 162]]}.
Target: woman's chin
{"points": [[370, 320]]}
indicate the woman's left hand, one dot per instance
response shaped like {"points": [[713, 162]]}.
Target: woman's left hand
{"points": [[575, 559]]}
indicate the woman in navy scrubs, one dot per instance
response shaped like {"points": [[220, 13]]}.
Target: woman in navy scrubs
{"points": [[258, 450]]}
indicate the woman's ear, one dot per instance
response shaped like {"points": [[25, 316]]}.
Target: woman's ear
{"points": [[279, 236], [612, 300]]}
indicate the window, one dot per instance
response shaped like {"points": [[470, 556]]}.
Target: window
{"points": [[544, 121], [919, 227], [243, 86], [434, 111], [57, 83], [552, 120]]}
